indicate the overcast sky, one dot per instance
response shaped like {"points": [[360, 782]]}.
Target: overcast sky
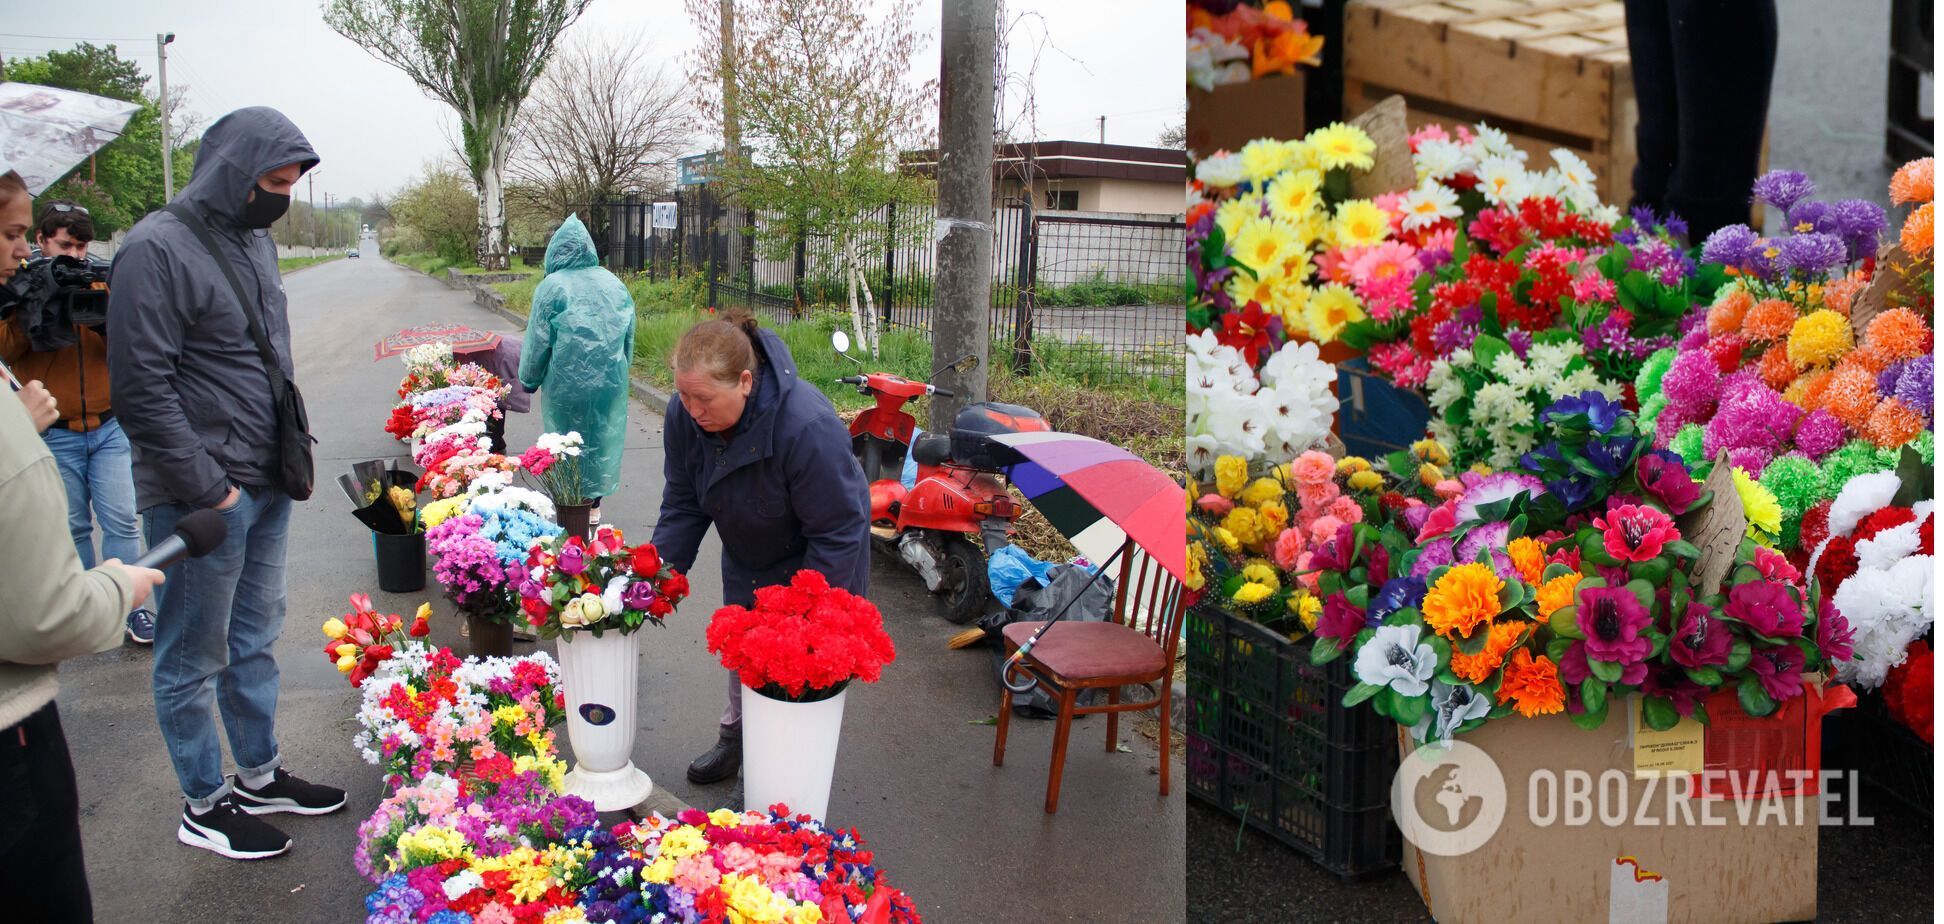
{"points": [[374, 128]]}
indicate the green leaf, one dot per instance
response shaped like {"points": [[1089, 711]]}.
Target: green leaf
{"points": [[1755, 701], [1565, 622], [1554, 570], [1402, 617], [1593, 694], [1654, 571], [1556, 649], [1659, 713], [1324, 651], [1359, 596], [1738, 656], [1474, 643], [1410, 710], [1361, 692], [1440, 647], [1608, 671], [1705, 676], [1487, 348], [1642, 591]]}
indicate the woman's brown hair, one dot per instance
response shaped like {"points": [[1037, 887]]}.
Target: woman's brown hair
{"points": [[11, 185], [723, 347]]}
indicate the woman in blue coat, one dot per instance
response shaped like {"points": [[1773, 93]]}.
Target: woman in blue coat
{"points": [[761, 456]]}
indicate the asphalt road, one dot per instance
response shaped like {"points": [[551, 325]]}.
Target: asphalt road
{"points": [[914, 773]]}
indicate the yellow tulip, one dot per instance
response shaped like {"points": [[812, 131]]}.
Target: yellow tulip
{"points": [[334, 628], [347, 650], [424, 611], [346, 663]]}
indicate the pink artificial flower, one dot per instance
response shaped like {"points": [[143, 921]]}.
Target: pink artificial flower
{"points": [[1310, 581], [1431, 132], [1332, 266], [1313, 468], [1323, 529], [1449, 489], [1635, 532], [1288, 549], [1590, 286], [1215, 504], [1318, 495], [1443, 520], [1775, 566], [1347, 509]]}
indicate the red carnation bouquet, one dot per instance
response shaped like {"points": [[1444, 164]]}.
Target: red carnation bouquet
{"points": [[803, 641]]}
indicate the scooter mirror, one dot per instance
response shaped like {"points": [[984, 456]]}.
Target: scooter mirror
{"points": [[840, 340]]}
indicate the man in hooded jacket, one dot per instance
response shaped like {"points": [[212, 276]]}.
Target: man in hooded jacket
{"points": [[196, 403]]}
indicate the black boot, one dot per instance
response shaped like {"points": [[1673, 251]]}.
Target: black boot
{"points": [[720, 762]]}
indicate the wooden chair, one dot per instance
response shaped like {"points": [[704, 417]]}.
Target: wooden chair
{"points": [[1138, 646]]}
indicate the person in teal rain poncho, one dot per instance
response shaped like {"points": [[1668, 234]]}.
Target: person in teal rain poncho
{"points": [[579, 348]]}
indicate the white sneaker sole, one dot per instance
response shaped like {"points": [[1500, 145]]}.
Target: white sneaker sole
{"points": [[282, 806], [219, 845]]}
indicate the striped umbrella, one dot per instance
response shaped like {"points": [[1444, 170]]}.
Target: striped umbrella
{"points": [[462, 338], [1098, 494]]}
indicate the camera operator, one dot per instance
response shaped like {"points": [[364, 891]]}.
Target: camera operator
{"points": [[57, 334]]}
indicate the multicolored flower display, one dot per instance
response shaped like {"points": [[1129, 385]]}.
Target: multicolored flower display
{"points": [[601, 585], [1232, 43]]}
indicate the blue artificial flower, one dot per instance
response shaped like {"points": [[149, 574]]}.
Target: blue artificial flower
{"points": [[1600, 411], [1396, 594], [1536, 461], [449, 916], [1574, 491], [1611, 456]]}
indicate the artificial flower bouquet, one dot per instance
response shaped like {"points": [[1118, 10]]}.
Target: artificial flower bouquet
{"points": [[554, 461], [739, 866], [1486, 398], [601, 585], [1563, 587], [1272, 209], [1871, 551], [1265, 416], [803, 641], [358, 642], [427, 712], [467, 563], [1234, 43]]}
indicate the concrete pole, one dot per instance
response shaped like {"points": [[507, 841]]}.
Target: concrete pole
{"points": [[962, 313], [162, 40]]}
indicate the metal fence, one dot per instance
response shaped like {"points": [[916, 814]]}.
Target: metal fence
{"points": [[1098, 295]]}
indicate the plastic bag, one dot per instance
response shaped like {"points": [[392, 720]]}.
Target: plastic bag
{"points": [[578, 350], [908, 476], [1009, 567]]}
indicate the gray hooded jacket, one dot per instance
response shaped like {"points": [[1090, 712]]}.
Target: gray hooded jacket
{"points": [[190, 388]]}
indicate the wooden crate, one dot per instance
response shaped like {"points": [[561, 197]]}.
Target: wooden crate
{"points": [[1549, 73], [1235, 114]]}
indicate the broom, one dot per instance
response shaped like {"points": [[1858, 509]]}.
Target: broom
{"points": [[966, 639]]}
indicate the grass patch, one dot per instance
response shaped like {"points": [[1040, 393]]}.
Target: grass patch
{"points": [[287, 264], [516, 266], [519, 295], [1101, 292], [431, 263], [657, 328]]}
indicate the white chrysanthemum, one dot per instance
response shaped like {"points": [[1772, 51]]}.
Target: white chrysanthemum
{"points": [[1888, 547], [1489, 142], [1549, 360], [1446, 395], [1862, 496], [1429, 204], [1461, 357], [1441, 160], [561, 444], [1513, 371], [1222, 170], [1438, 430], [1439, 375], [1605, 214], [1503, 181]]}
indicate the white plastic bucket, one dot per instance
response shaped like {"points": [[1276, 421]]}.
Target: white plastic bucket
{"points": [[790, 752], [599, 676]]}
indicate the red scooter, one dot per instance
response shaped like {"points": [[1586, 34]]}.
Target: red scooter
{"points": [[957, 492]]}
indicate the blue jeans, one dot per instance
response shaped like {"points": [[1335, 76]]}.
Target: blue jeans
{"points": [[95, 467], [218, 619]]}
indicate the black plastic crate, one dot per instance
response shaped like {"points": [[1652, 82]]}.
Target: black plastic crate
{"points": [[1375, 417], [1270, 743], [1908, 132]]}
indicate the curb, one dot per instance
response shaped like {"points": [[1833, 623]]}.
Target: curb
{"points": [[644, 391], [312, 265]]}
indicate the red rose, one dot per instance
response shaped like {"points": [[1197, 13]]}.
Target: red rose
{"points": [[660, 607], [676, 587], [647, 562]]}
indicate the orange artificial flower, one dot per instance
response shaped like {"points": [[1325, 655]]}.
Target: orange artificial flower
{"points": [[1725, 315], [1531, 685], [1892, 424], [1557, 592], [1529, 556], [1281, 54], [1919, 230], [1900, 332], [1769, 319], [1776, 368], [1839, 294], [1914, 182], [1465, 598], [1851, 394], [1475, 668]]}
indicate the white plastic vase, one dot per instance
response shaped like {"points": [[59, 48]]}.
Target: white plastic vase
{"points": [[789, 752], [600, 677]]}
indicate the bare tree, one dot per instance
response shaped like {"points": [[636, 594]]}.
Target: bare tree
{"points": [[602, 120], [478, 56]]}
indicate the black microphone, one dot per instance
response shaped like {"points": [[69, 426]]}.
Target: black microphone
{"points": [[195, 535]]}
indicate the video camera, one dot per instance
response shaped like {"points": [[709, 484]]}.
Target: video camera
{"points": [[55, 294]]}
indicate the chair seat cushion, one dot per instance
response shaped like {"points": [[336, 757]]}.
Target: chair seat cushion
{"points": [[1086, 650]]}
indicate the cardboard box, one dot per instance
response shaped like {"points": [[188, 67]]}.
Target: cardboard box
{"points": [[1745, 871], [1237, 113]]}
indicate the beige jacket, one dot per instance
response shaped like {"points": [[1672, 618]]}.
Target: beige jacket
{"points": [[50, 609]]}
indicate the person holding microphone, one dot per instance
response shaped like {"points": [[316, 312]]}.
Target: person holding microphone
{"points": [[54, 611]]}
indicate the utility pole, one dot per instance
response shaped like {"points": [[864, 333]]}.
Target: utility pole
{"points": [[162, 40], [731, 134], [311, 180], [1103, 129], [962, 318]]}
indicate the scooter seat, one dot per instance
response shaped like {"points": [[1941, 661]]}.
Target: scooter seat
{"points": [[932, 449]]}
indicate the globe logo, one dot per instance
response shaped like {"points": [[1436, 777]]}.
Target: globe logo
{"points": [[1448, 799], [596, 714]]}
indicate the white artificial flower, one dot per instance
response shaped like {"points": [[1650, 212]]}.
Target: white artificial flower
{"points": [[1446, 395], [1452, 706], [460, 883], [611, 597], [1437, 159], [1439, 375], [1549, 360], [1460, 357], [1605, 214], [1395, 658], [1513, 371], [1220, 171], [1202, 452], [1490, 142], [1860, 497], [1886, 548], [1574, 172], [1430, 203], [1503, 181]]}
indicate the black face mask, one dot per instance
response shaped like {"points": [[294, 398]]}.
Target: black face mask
{"points": [[264, 209]]}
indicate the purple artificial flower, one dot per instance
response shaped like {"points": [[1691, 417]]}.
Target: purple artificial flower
{"points": [[1573, 669], [1600, 411], [1692, 383], [1767, 607], [1834, 636], [1783, 188], [1675, 226], [571, 559], [1749, 415], [1672, 683], [1809, 215], [1397, 593], [1415, 517], [1820, 434], [1488, 536], [1750, 459], [1780, 669], [1340, 620], [1659, 259], [1814, 253], [1520, 341], [638, 595], [1700, 640], [1643, 217], [1436, 555], [1453, 335], [1916, 384], [1612, 620], [1666, 479], [1496, 487], [1860, 223], [1731, 245]]}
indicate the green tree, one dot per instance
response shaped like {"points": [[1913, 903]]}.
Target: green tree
{"points": [[478, 56], [124, 180], [824, 108]]}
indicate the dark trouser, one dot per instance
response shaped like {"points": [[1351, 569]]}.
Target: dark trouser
{"points": [[41, 871], [1701, 71], [496, 431]]}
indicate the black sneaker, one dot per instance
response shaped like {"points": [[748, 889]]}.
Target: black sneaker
{"points": [[141, 627], [286, 793], [227, 831]]}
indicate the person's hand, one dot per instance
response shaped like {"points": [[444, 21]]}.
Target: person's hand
{"points": [[230, 499], [143, 580], [40, 405]]}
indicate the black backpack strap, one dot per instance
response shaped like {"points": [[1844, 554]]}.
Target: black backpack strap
{"points": [[278, 383]]}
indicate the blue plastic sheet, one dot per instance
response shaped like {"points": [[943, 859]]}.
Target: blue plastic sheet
{"points": [[1009, 567]]}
